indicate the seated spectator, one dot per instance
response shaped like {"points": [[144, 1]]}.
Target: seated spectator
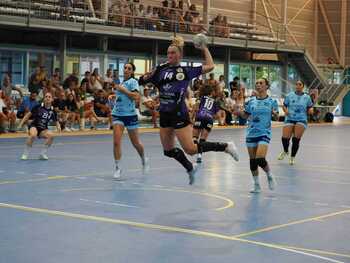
{"points": [[140, 12], [71, 78], [196, 26], [56, 78], [28, 103], [211, 81], [151, 106], [97, 76], [101, 107], [95, 85], [37, 80], [7, 86], [60, 107], [7, 116], [73, 114], [87, 81]]}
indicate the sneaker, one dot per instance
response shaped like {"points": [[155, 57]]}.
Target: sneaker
{"points": [[256, 190], [73, 129], [145, 166], [199, 158], [192, 174], [24, 157], [271, 181], [67, 129], [282, 155], [292, 160], [231, 149], [117, 174], [43, 156]]}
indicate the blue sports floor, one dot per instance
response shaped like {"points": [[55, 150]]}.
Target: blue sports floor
{"points": [[69, 209]]}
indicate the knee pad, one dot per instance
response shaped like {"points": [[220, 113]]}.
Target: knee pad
{"points": [[253, 165], [202, 140], [296, 140], [261, 162], [171, 153]]}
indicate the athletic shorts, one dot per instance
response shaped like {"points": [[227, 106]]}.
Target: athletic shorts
{"points": [[173, 120], [291, 123], [203, 124], [253, 142], [129, 122], [40, 130]]}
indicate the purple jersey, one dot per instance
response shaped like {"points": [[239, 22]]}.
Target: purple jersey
{"points": [[42, 116], [208, 107], [172, 82]]}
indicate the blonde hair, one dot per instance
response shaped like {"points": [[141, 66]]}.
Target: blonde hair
{"points": [[178, 42]]}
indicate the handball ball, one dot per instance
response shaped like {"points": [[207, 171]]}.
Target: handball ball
{"points": [[200, 40]]}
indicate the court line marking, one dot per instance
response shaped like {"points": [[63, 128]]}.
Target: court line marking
{"points": [[108, 203], [297, 222], [229, 202], [162, 228]]}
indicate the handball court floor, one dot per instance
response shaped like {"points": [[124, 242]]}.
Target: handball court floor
{"points": [[69, 209]]}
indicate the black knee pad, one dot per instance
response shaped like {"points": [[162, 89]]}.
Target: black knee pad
{"points": [[261, 162], [253, 165], [202, 140], [296, 140]]}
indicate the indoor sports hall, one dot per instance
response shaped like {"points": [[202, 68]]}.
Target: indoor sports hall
{"points": [[174, 131]]}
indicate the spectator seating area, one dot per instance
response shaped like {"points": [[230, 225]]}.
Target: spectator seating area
{"points": [[173, 16]]}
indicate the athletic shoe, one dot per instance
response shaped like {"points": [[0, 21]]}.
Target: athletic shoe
{"points": [[282, 155], [145, 166], [231, 149], [192, 174], [73, 129], [256, 190], [271, 181], [117, 174], [43, 156], [199, 158], [292, 160], [24, 157], [67, 129]]}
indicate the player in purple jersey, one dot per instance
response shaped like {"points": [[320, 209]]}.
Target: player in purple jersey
{"points": [[42, 115], [207, 109], [172, 80]]}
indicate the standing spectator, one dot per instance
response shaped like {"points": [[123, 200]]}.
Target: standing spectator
{"points": [[211, 81], [87, 81], [97, 76], [116, 79], [95, 85], [108, 80]]}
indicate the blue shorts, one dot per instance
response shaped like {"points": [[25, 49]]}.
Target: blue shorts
{"points": [[129, 122], [292, 123], [253, 142]]}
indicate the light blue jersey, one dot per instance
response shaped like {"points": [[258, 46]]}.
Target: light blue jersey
{"points": [[260, 114], [124, 106], [297, 106]]}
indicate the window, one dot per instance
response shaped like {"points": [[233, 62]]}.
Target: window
{"points": [[262, 72], [14, 64], [234, 71], [247, 76]]}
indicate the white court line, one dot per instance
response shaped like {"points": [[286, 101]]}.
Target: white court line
{"points": [[108, 203], [345, 206], [43, 174], [321, 204], [20, 172]]}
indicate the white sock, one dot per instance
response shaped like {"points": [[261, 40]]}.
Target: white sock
{"points": [[27, 149], [45, 149], [256, 180], [116, 164]]}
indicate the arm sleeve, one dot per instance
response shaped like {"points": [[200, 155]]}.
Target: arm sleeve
{"points": [[310, 104], [286, 101], [134, 86], [247, 108], [194, 72]]}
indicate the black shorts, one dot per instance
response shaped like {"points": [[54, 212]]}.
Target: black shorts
{"points": [[173, 120], [40, 130], [203, 124]]}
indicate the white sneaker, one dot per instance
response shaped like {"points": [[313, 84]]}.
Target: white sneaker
{"points": [[199, 158], [43, 156], [145, 166], [67, 130], [282, 155], [24, 157], [117, 174], [73, 129], [271, 181], [231, 149], [292, 160], [192, 174], [256, 190]]}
